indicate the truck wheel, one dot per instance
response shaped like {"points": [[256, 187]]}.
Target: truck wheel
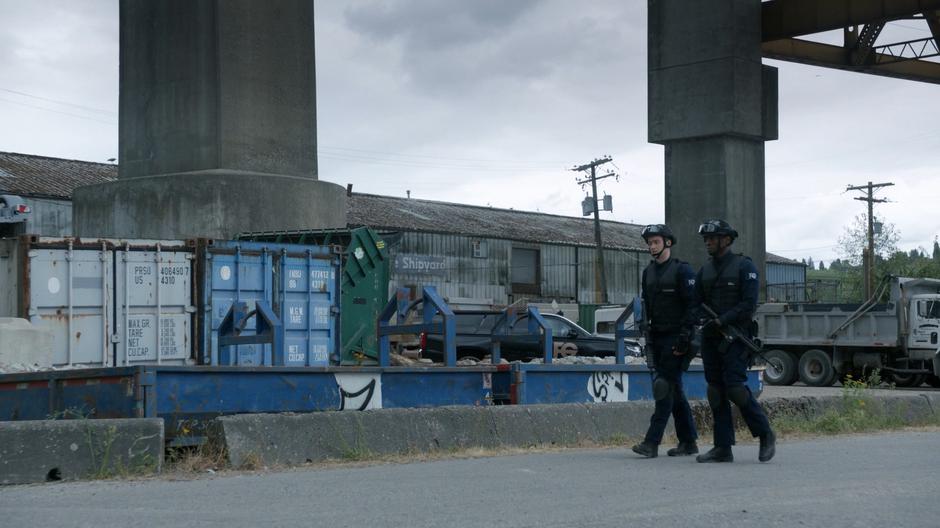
{"points": [[908, 380], [816, 368], [933, 380], [781, 367]]}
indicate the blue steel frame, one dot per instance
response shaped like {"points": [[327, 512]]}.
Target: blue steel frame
{"points": [[620, 330], [508, 319], [187, 397], [268, 331], [433, 305]]}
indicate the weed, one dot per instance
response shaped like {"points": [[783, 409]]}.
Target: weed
{"points": [[617, 439], [251, 461], [72, 413], [857, 411], [198, 459]]}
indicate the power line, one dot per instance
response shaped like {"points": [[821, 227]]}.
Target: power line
{"points": [[57, 101], [801, 249], [424, 164], [473, 160], [57, 111]]}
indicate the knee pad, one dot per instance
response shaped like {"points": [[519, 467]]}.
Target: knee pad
{"points": [[714, 396], [661, 389], [739, 395]]}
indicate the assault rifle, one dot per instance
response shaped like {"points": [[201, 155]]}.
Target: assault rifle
{"points": [[732, 333]]}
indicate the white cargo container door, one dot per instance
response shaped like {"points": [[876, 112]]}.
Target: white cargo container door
{"points": [[70, 292], [154, 307]]}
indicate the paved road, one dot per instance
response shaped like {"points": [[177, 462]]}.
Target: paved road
{"points": [[875, 480]]}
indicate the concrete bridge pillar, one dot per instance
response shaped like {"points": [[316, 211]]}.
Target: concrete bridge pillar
{"points": [[712, 104], [217, 124]]}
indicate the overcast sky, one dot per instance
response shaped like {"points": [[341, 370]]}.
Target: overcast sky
{"points": [[492, 101]]}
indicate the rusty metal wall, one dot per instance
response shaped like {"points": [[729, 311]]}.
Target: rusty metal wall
{"points": [[623, 271], [49, 217], [567, 272], [559, 272], [447, 262]]}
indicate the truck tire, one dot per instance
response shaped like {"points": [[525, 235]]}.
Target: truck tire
{"points": [[933, 380], [781, 367], [908, 380], [816, 368]]}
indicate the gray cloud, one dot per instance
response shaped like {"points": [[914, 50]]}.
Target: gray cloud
{"points": [[493, 101]]}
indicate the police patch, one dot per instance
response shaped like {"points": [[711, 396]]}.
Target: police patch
{"points": [[752, 276]]}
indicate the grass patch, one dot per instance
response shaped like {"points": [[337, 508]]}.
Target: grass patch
{"points": [[858, 411], [203, 458]]}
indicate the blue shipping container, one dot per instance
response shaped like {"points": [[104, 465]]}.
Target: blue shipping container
{"points": [[309, 308], [299, 282]]}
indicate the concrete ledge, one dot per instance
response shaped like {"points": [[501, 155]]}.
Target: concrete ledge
{"points": [[298, 438], [290, 439], [210, 203], [48, 450]]}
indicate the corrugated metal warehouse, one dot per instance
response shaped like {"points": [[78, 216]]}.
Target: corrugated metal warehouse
{"points": [[472, 254], [496, 256], [46, 186]]}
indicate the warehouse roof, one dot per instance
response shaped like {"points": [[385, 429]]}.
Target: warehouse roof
{"points": [[42, 177], [777, 259], [410, 214]]}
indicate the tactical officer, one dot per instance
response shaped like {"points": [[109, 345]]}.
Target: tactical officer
{"points": [[728, 284], [668, 295]]}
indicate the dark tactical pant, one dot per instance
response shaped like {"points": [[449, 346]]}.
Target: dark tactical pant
{"points": [[669, 367], [726, 367]]}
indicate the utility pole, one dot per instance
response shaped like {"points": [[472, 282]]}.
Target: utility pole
{"points": [[868, 256], [600, 273]]}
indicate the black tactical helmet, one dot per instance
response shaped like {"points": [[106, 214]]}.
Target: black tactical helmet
{"points": [[717, 228], [658, 230]]}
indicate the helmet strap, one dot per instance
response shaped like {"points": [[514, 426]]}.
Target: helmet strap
{"points": [[666, 245]]}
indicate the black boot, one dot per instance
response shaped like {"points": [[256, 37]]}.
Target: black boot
{"points": [[646, 449], [716, 454], [768, 447], [683, 449]]}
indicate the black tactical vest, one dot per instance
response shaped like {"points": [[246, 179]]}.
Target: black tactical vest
{"points": [[722, 290], [667, 308]]}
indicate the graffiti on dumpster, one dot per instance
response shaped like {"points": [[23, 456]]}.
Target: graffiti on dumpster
{"points": [[358, 392], [608, 386]]}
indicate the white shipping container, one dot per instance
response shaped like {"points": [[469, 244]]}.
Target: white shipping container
{"points": [[154, 299], [106, 302]]}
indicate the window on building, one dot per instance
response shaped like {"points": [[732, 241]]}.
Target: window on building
{"points": [[525, 270], [479, 248]]}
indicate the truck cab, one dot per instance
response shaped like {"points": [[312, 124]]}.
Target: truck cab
{"points": [[924, 317]]}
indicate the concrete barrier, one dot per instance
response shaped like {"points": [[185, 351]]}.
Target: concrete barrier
{"points": [[49, 450], [291, 439]]}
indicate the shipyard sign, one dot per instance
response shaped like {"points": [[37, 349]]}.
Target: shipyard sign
{"points": [[420, 265]]}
